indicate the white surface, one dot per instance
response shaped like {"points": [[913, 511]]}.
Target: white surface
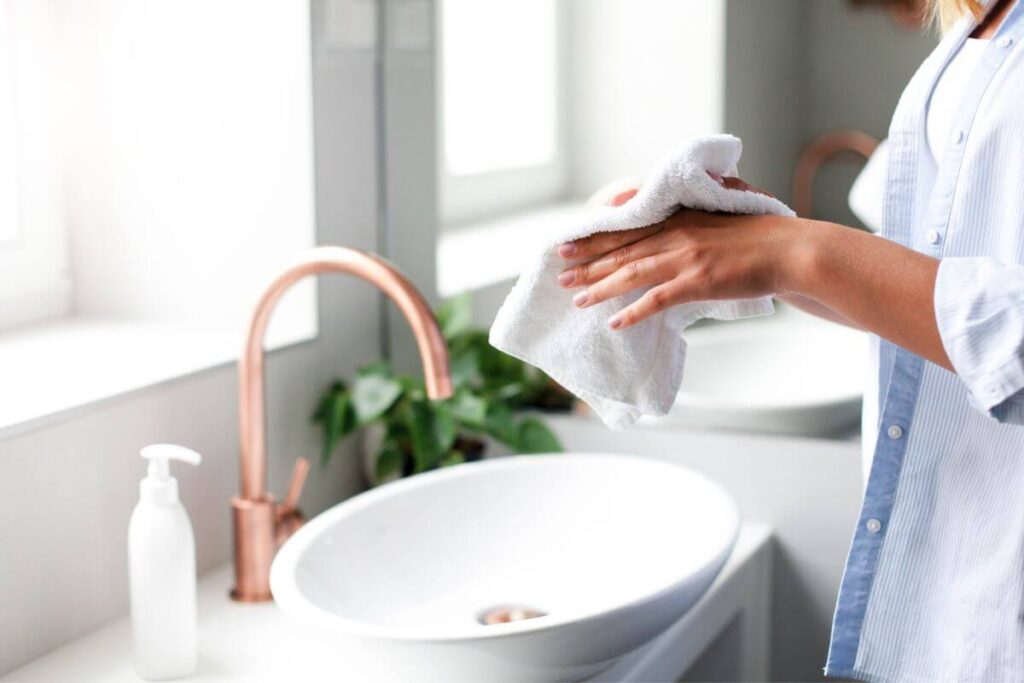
{"points": [[792, 375], [256, 642], [807, 490], [480, 254], [612, 549], [741, 596], [868, 190], [69, 364]]}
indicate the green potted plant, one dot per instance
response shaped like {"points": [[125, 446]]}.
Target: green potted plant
{"points": [[412, 434]]}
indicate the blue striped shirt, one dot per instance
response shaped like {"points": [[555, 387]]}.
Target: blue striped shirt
{"points": [[934, 584]]}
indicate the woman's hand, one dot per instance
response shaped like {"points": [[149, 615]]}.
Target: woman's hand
{"points": [[692, 256], [845, 274]]}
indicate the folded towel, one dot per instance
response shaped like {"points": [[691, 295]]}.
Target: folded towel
{"points": [[637, 371]]}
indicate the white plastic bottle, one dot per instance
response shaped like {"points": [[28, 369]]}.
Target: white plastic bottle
{"points": [[162, 571]]}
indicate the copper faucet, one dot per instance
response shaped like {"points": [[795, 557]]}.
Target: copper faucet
{"points": [[819, 152], [261, 524]]}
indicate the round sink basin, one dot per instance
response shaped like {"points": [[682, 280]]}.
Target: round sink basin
{"points": [[795, 375], [532, 568]]}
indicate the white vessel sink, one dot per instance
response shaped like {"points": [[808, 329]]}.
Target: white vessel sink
{"points": [[791, 375], [610, 549]]}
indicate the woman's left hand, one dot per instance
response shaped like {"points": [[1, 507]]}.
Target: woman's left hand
{"points": [[692, 256], [861, 279]]}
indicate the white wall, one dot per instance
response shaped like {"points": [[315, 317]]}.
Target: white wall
{"points": [[69, 488], [854, 67], [764, 84], [409, 153]]}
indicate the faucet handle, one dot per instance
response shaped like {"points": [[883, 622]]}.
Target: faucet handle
{"points": [[299, 473], [287, 516]]}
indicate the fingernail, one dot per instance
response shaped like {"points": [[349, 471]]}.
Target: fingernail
{"points": [[566, 278], [580, 299], [567, 250], [616, 322]]}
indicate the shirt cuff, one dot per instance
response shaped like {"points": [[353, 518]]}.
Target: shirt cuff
{"points": [[979, 308]]}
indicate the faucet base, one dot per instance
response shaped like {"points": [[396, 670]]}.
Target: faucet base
{"points": [[255, 546], [235, 595]]}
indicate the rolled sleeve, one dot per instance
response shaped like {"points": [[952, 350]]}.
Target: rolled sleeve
{"points": [[979, 308]]}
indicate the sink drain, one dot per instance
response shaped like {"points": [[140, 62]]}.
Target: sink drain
{"points": [[508, 613]]}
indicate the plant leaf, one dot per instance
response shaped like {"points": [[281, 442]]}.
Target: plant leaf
{"points": [[338, 422], [372, 395], [535, 437], [432, 429], [455, 315], [453, 458], [327, 400], [389, 460], [465, 367], [501, 424], [468, 408], [381, 368]]}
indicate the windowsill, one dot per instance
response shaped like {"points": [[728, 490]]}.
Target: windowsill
{"points": [[55, 369], [484, 253]]}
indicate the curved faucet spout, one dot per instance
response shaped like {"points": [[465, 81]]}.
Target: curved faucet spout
{"points": [[257, 518], [819, 152]]}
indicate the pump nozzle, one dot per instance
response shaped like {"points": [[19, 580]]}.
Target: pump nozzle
{"points": [[159, 453], [159, 485]]}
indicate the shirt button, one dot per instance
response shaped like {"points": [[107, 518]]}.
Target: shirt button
{"points": [[874, 526], [934, 237], [959, 137], [1005, 41], [894, 432]]}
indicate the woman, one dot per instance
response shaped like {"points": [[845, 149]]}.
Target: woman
{"points": [[934, 585]]}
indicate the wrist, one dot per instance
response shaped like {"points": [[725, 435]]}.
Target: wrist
{"points": [[800, 255]]}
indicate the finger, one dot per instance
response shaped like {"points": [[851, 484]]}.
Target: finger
{"points": [[603, 242], [643, 272], [606, 195], [654, 301], [622, 197], [587, 273], [731, 183]]}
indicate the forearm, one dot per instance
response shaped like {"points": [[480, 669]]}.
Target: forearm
{"points": [[873, 283], [814, 308]]}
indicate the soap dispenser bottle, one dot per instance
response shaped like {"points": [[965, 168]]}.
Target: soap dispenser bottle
{"points": [[162, 571]]}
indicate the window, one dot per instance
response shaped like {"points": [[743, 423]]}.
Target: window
{"points": [[156, 168], [135, 169], [497, 153], [543, 102], [34, 282], [8, 176]]}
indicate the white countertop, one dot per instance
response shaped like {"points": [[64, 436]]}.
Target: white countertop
{"points": [[256, 642]]}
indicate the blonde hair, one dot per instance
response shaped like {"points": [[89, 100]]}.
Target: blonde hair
{"points": [[947, 12]]}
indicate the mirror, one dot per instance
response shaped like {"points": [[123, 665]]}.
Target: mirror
{"points": [[514, 112]]}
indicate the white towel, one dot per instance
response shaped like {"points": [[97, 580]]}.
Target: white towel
{"points": [[637, 371]]}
